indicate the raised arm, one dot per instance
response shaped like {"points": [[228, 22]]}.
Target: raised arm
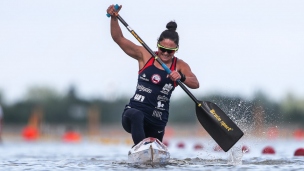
{"points": [[126, 45]]}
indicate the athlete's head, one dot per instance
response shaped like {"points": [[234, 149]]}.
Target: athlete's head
{"points": [[168, 42]]}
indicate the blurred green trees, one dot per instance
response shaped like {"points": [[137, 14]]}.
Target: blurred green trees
{"points": [[69, 108]]}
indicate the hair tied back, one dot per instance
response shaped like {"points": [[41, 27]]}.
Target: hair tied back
{"points": [[171, 26]]}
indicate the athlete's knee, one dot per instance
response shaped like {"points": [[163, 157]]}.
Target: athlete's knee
{"points": [[134, 115]]}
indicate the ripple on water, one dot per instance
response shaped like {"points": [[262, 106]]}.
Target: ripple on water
{"points": [[50, 157]]}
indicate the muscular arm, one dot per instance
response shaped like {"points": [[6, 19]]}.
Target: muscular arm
{"points": [[137, 52], [191, 80], [126, 45]]}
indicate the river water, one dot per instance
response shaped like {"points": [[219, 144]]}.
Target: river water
{"points": [[95, 155]]}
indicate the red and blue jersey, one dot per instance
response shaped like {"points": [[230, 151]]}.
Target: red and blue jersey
{"points": [[153, 92]]}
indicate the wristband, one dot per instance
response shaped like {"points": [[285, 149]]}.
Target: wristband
{"points": [[183, 77]]}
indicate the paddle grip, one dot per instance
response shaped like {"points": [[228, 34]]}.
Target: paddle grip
{"points": [[167, 69], [116, 8]]}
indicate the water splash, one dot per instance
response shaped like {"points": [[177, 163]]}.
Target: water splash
{"points": [[235, 155]]}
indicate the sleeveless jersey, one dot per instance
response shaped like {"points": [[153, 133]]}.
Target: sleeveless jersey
{"points": [[153, 92]]}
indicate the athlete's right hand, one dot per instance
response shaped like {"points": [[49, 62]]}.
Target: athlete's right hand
{"points": [[112, 11], [174, 75]]}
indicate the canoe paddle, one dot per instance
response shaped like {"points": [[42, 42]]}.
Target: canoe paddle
{"points": [[219, 126]]}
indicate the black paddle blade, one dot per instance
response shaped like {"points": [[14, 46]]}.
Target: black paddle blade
{"points": [[220, 127]]}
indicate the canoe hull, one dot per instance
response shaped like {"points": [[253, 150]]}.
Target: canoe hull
{"points": [[151, 151]]}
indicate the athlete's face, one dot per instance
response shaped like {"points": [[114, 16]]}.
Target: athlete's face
{"points": [[166, 50]]}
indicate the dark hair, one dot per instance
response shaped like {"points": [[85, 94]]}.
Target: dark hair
{"points": [[170, 33]]}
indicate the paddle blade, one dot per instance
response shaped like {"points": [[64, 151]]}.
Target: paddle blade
{"points": [[220, 127]]}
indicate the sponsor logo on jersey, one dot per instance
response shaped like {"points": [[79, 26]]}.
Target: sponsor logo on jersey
{"points": [[143, 88], [162, 98], [143, 77], [157, 114], [155, 78], [138, 97], [167, 88], [160, 105]]}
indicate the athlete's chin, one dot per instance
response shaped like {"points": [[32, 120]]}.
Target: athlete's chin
{"points": [[165, 58]]}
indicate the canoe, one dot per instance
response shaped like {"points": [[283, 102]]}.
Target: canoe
{"points": [[149, 151]]}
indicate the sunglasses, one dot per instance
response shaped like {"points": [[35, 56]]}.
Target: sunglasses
{"points": [[168, 50]]}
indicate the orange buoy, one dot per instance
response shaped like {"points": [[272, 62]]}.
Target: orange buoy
{"points": [[299, 152], [181, 145], [30, 133], [71, 136], [217, 148], [166, 143], [298, 134], [245, 149], [268, 150], [198, 146], [169, 131]]}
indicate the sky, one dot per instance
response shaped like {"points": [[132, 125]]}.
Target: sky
{"points": [[234, 47]]}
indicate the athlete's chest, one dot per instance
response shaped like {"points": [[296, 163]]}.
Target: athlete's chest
{"points": [[155, 77]]}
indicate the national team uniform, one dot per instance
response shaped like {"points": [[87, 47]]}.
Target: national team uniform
{"points": [[149, 107]]}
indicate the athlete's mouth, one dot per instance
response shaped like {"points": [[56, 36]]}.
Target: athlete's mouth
{"points": [[165, 55]]}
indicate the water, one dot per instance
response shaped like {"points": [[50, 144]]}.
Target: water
{"points": [[94, 155]]}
